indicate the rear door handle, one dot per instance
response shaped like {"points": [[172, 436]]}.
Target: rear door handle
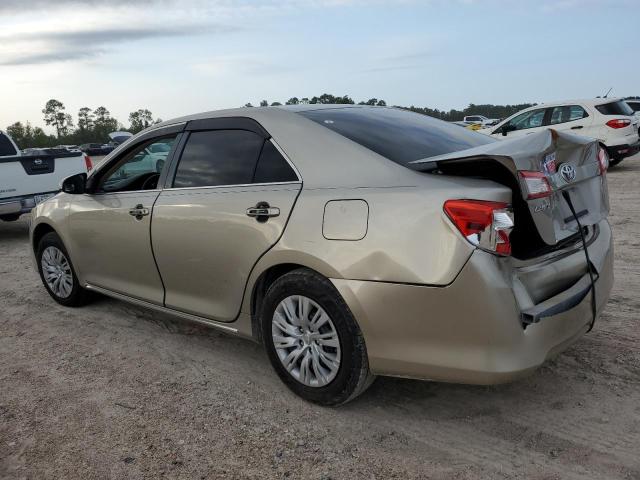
{"points": [[263, 211], [139, 211], [577, 127]]}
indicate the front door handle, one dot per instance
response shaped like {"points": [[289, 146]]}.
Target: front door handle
{"points": [[263, 211], [577, 127], [139, 211]]}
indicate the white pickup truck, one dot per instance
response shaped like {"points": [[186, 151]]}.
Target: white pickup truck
{"points": [[26, 180]]}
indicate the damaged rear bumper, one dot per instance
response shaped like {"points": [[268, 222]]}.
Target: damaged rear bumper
{"points": [[471, 331]]}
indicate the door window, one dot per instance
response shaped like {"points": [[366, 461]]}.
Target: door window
{"points": [[272, 166], [566, 113], [140, 168], [526, 120], [218, 157]]}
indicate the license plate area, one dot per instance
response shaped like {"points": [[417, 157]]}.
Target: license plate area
{"points": [[41, 198]]}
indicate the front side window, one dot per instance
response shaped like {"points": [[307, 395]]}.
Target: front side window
{"points": [[140, 168], [527, 120], [218, 157]]}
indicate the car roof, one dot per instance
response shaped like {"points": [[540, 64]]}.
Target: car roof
{"points": [[585, 101]]}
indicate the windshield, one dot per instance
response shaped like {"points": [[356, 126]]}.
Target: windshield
{"points": [[399, 135]]}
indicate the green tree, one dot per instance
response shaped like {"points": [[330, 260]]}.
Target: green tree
{"points": [[264, 103], [55, 115], [248, 105], [27, 136], [140, 119], [293, 101], [85, 119], [276, 104], [104, 124]]}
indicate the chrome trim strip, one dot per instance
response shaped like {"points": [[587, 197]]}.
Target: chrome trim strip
{"points": [[159, 308], [239, 185]]}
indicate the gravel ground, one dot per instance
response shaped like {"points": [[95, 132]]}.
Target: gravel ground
{"points": [[114, 391]]}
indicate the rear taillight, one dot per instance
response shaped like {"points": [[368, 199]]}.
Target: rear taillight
{"points": [[484, 224], [536, 184], [619, 123], [88, 163], [603, 160]]}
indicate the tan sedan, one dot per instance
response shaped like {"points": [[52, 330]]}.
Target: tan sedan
{"points": [[352, 241]]}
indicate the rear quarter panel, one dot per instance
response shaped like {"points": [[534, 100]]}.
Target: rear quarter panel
{"points": [[409, 238]]}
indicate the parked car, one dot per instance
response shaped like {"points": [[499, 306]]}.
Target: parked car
{"points": [[118, 138], [353, 241], [610, 121], [470, 126], [480, 120], [70, 148], [635, 105], [27, 179], [96, 149]]}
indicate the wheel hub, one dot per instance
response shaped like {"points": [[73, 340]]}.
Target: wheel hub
{"points": [[306, 341]]}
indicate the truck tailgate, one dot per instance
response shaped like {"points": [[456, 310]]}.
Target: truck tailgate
{"points": [[33, 174]]}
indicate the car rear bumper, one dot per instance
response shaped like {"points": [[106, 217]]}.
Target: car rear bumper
{"points": [[472, 330], [623, 151], [19, 205]]}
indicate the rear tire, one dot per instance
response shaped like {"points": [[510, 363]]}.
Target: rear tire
{"points": [[615, 161], [57, 272], [330, 364]]}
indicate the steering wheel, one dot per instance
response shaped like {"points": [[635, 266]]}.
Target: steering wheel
{"points": [[150, 182]]}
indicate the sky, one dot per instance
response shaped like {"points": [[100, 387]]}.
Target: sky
{"points": [[177, 57]]}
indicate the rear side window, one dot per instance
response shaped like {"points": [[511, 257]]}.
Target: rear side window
{"points": [[566, 113], [218, 157], [618, 107], [6, 147], [272, 166], [398, 135]]}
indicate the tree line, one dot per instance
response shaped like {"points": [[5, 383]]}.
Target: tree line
{"points": [[93, 126], [488, 110]]}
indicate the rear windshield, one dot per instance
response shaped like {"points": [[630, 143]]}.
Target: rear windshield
{"points": [[6, 147], [398, 135], [615, 108]]}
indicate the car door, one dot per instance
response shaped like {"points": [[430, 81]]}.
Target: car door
{"points": [[227, 202], [110, 226], [571, 118], [522, 124]]}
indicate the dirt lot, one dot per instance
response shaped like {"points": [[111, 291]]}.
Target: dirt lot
{"points": [[112, 391]]}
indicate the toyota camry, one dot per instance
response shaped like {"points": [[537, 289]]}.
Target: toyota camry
{"points": [[351, 241]]}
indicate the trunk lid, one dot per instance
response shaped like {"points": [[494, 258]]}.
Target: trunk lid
{"points": [[568, 162]]}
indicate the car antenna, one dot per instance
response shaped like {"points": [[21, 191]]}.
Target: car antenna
{"points": [[608, 92]]}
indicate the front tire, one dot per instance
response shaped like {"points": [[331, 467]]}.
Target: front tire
{"points": [[57, 272], [312, 339]]}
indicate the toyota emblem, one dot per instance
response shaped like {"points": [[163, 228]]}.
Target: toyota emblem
{"points": [[568, 172], [37, 161]]}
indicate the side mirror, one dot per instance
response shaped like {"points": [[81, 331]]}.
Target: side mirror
{"points": [[75, 184], [506, 129]]}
